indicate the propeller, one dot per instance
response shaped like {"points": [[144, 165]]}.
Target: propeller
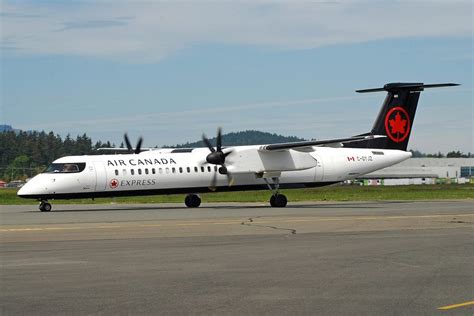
{"points": [[217, 157], [131, 150]]}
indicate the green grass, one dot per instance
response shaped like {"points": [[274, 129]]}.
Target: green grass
{"points": [[331, 193]]}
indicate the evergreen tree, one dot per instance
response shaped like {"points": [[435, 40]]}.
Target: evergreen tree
{"points": [[24, 154]]}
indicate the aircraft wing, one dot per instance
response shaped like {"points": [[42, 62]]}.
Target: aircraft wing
{"points": [[317, 143]]}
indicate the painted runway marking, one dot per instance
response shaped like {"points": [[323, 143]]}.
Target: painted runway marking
{"points": [[456, 305], [265, 220]]}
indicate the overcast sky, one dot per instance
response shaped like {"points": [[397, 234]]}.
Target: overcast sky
{"points": [[172, 70]]}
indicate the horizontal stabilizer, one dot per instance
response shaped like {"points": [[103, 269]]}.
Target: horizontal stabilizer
{"points": [[397, 86]]}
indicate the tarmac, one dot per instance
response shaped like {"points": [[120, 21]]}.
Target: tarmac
{"points": [[324, 258]]}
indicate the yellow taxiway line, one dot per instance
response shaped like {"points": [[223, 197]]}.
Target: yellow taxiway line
{"points": [[456, 305]]}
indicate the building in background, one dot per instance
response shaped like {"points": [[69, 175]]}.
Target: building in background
{"points": [[423, 171]]}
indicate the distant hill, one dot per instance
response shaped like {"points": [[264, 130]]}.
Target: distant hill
{"points": [[7, 128], [243, 138]]}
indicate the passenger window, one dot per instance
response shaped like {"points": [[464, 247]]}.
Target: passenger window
{"points": [[153, 170], [146, 171], [124, 172], [160, 170], [188, 169], [116, 172], [215, 168], [209, 168], [167, 170], [202, 169], [180, 170], [132, 171], [196, 169], [173, 170], [139, 171]]}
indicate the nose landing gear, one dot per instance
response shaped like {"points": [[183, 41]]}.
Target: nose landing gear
{"points": [[45, 206]]}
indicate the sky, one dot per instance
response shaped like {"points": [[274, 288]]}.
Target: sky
{"points": [[170, 70]]}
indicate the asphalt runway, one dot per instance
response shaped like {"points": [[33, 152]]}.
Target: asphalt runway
{"points": [[364, 258]]}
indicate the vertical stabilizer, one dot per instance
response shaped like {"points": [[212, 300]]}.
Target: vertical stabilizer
{"points": [[395, 119]]}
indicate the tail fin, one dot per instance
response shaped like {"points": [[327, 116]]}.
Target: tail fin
{"points": [[395, 119]]}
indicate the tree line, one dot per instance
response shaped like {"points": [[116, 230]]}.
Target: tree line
{"points": [[450, 154], [24, 154]]}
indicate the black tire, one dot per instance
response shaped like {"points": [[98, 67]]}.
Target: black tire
{"points": [[45, 207], [192, 200], [278, 200], [272, 201]]}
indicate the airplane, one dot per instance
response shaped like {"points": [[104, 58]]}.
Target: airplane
{"points": [[192, 171]]}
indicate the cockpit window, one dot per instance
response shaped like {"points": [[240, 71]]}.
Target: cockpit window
{"points": [[66, 167]]}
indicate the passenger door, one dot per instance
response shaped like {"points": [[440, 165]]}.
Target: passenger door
{"points": [[87, 178], [101, 176]]}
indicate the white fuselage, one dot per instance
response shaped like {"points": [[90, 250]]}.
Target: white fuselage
{"points": [[165, 171]]}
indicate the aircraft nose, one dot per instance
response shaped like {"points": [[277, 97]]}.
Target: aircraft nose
{"points": [[29, 190], [24, 190]]}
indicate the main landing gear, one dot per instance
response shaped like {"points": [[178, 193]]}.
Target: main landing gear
{"points": [[192, 200], [277, 199], [44, 206]]}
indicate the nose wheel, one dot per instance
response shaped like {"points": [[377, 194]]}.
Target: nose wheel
{"points": [[192, 200], [45, 206]]}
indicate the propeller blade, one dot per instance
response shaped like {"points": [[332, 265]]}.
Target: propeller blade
{"points": [[219, 139], [217, 156], [202, 162], [208, 143], [213, 185], [127, 142], [230, 179], [139, 145]]}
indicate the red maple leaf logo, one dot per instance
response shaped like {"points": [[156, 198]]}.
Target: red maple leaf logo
{"points": [[114, 183], [398, 124]]}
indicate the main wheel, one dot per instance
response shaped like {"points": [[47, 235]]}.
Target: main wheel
{"points": [[192, 200], [45, 207], [278, 200]]}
